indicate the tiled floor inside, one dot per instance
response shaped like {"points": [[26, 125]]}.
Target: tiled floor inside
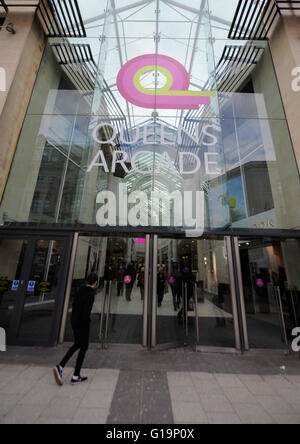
{"points": [[120, 306]]}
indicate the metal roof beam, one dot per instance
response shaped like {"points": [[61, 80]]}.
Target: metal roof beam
{"points": [[220, 20], [118, 11], [196, 11], [180, 5], [113, 5]]}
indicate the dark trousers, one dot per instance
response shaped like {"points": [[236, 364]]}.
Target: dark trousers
{"points": [[176, 297], [82, 337], [142, 290], [160, 296], [120, 288], [129, 289]]}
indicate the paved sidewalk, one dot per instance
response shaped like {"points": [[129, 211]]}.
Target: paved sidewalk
{"points": [[203, 398], [138, 387], [28, 395]]}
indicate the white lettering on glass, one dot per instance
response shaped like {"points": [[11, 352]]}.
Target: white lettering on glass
{"points": [[180, 209]]}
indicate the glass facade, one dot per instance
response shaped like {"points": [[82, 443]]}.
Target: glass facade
{"points": [[161, 125], [221, 143]]}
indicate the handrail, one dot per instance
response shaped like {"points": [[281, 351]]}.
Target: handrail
{"points": [[105, 315], [281, 315], [196, 315]]}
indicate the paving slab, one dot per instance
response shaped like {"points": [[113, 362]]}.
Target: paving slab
{"points": [[216, 404], [239, 395], [61, 408], [8, 402], [223, 419], [253, 415], [86, 416], [189, 413], [21, 414], [133, 387], [292, 419], [275, 405]]}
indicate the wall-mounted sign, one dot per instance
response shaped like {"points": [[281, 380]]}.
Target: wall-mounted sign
{"points": [[4, 285], [265, 224], [31, 286], [140, 240], [44, 287], [15, 286]]}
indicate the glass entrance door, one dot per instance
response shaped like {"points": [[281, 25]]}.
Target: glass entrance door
{"points": [[158, 291], [32, 288], [271, 283], [13, 257], [193, 276], [122, 266]]}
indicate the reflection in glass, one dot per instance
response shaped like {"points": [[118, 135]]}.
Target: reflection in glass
{"points": [[114, 259], [203, 267], [271, 291], [12, 254], [81, 137], [41, 294]]}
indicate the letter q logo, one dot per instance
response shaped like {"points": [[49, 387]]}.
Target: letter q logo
{"points": [[174, 95]]}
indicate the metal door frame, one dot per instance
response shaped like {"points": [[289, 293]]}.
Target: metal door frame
{"points": [[148, 287], [149, 338], [242, 300], [20, 294], [237, 278], [15, 324], [239, 317]]}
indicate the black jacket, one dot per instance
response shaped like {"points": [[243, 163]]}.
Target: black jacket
{"points": [[82, 308], [130, 271], [161, 282]]}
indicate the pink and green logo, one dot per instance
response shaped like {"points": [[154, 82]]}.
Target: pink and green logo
{"points": [[175, 94]]}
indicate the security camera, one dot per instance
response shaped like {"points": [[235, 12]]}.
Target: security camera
{"points": [[10, 28]]}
